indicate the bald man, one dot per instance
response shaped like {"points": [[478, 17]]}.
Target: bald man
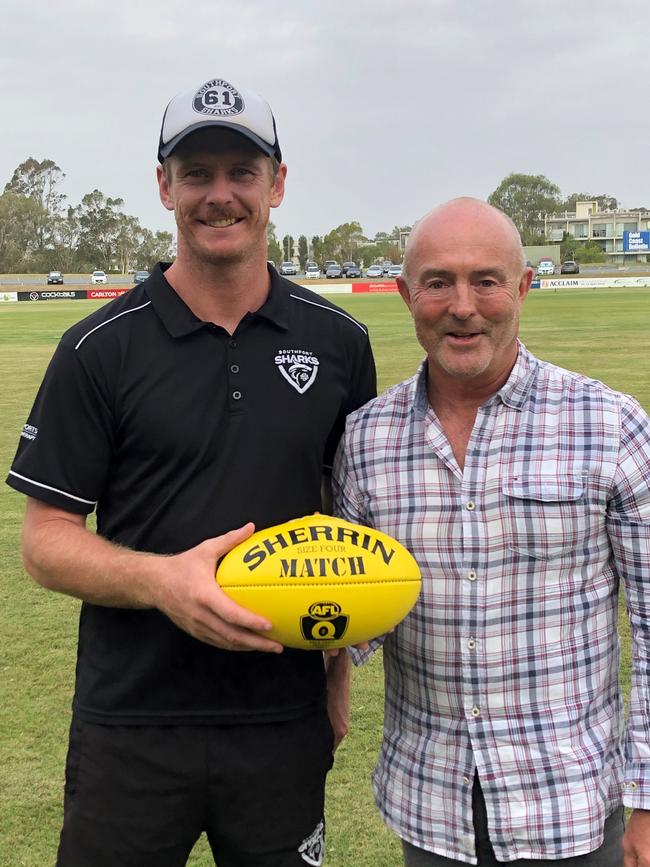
{"points": [[523, 490]]}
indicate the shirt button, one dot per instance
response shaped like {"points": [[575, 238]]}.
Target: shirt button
{"points": [[470, 506], [233, 344], [472, 575], [475, 711], [234, 368], [466, 780], [632, 785], [236, 395], [469, 844], [471, 643]]}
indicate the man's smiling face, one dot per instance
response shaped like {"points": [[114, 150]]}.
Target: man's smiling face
{"points": [[220, 187], [465, 284]]}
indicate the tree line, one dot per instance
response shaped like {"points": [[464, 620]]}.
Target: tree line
{"points": [[345, 243], [525, 198], [39, 232]]}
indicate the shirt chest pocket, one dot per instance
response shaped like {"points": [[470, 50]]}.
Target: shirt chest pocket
{"points": [[545, 516]]}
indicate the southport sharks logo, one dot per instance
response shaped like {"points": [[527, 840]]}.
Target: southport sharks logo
{"points": [[298, 366]]}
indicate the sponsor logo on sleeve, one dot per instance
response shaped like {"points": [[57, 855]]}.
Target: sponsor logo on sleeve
{"points": [[29, 432]]}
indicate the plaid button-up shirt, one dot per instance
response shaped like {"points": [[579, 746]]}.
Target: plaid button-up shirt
{"points": [[508, 664]]}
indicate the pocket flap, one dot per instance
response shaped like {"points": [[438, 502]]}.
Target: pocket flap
{"points": [[548, 489]]}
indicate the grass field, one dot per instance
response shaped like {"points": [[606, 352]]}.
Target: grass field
{"points": [[602, 333]]}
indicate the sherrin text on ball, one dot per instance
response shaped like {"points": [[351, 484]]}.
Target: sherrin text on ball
{"points": [[322, 582]]}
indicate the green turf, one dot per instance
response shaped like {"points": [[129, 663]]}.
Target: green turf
{"points": [[602, 333]]}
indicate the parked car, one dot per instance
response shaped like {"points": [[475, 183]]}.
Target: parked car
{"points": [[569, 267], [288, 269], [98, 277], [54, 277], [395, 271], [353, 271], [140, 276], [312, 271], [545, 267], [347, 265], [386, 266], [375, 271], [333, 272]]}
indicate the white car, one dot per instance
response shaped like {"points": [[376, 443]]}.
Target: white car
{"points": [[98, 277], [375, 271], [312, 271], [545, 268]]}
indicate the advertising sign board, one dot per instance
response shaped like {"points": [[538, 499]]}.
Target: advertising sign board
{"points": [[636, 242]]}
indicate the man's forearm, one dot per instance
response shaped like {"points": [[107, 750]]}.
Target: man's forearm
{"points": [[338, 671], [62, 555]]}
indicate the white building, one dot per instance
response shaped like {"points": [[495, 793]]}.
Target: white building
{"points": [[609, 229]]}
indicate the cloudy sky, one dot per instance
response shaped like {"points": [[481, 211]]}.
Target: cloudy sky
{"points": [[383, 109]]}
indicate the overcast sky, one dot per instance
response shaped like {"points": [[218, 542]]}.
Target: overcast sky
{"points": [[384, 109]]}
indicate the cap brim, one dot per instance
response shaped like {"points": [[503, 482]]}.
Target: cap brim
{"points": [[165, 150]]}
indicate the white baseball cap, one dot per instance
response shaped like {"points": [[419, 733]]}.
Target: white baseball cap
{"points": [[218, 103]]}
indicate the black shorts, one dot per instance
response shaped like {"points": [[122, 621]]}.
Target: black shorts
{"points": [[142, 795]]}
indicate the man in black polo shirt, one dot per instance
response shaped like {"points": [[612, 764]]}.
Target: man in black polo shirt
{"points": [[208, 399]]}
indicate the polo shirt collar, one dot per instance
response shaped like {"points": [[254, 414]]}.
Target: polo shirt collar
{"points": [[180, 321], [514, 393]]}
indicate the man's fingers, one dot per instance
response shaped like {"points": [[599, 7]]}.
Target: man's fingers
{"points": [[229, 611], [234, 638], [220, 545]]}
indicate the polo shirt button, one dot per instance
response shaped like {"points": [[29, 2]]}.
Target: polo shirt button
{"points": [[233, 344], [475, 712], [471, 575], [470, 506], [234, 368], [236, 395]]}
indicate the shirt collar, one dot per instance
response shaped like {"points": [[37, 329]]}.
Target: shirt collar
{"points": [[513, 393], [180, 321]]}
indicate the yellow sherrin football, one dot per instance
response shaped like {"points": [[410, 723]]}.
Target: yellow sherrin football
{"points": [[321, 581]]}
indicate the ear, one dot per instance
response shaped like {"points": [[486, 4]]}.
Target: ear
{"points": [[163, 188], [404, 291], [524, 284], [277, 190]]}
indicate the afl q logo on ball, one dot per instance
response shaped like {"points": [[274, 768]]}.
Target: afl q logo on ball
{"points": [[217, 98], [324, 622]]}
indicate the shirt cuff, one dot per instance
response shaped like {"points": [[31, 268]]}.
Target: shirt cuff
{"points": [[359, 657], [636, 787]]}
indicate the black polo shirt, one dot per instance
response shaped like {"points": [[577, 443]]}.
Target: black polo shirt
{"points": [[176, 432]]}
